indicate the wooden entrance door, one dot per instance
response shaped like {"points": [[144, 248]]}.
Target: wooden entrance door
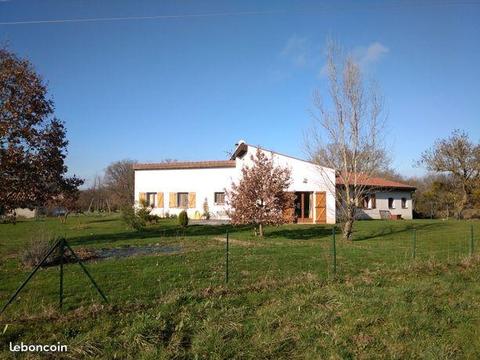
{"points": [[321, 207]]}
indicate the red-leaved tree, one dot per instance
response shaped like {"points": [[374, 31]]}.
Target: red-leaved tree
{"points": [[33, 142], [261, 198]]}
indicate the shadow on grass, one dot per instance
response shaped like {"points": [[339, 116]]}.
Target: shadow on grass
{"points": [[390, 229], [165, 231], [104, 220], [301, 232]]}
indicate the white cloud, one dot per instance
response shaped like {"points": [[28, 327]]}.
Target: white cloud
{"points": [[301, 53], [364, 55], [370, 54], [297, 50]]}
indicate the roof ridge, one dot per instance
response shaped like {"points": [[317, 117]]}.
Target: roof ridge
{"points": [[185, 165]]}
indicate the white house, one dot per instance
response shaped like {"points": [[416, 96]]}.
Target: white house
{"points": [[172, 187], [385, 199]]}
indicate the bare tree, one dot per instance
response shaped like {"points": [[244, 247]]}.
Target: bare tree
{"points": [[460, 157], [119, 181], [347, 133], [261, 198]]}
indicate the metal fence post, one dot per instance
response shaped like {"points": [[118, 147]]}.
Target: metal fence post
{"points": [[86, 272], [334, 251], [414, 244], [54, 246], [471, 240], [62, 252], [226, 260]]}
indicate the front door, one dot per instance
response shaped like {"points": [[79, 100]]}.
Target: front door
{"points": [[303, 211], [320, 207]]}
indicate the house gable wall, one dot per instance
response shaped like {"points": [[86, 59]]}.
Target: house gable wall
{"points": [[382, 197], [306, 176]]}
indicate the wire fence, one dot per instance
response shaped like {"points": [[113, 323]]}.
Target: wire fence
{"points": [[191, 264]]}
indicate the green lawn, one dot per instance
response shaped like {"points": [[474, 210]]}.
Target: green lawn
{"points": [[282, 298]]}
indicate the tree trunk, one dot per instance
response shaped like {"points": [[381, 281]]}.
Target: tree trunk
{"points": [[348, 227], [463, 202], [65, 216], [260, 230]]}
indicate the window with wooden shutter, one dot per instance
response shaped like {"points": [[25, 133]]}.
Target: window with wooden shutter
{"points": [[182, 200], [192, 200], [150, 202], [160, 200], [172, 203], [142, 197]]}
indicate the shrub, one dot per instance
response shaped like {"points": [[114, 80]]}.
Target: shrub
{"points": [[132, 219], [183, 219], [206, 210], [38, 247], [36, 250]]}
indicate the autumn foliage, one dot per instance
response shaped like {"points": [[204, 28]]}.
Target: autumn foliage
{"points": [[261, 198], [32, 140]]}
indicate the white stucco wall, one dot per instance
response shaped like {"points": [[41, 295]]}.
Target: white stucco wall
{"points": [[26, 213], [204, 182], [382, 204]]}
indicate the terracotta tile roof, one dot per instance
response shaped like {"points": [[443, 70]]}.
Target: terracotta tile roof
{"points": [[186, 165], [378, 182]]}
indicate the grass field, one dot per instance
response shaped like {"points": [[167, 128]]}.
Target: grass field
{"points": [[402, 289]]}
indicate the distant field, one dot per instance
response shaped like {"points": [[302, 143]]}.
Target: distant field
{"points": [[401, 289]]}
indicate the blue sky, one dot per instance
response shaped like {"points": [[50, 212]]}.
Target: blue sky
{"points": [[189, 87]]}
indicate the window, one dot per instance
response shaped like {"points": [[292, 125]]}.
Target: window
{"points": [[365, 203], [391, 203], [150, 199], [369, 202], [404, 203], [182, 200], [219, 198]]}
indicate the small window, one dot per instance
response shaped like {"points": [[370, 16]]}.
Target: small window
{"points": [[373, 201], [182, 200], [369, 202], [219, 198], [150, 199], [391, 203], [366, 202], [404, 203]]}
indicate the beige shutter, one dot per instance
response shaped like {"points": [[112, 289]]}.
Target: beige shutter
{"points": [[160, 200], [142, 197], [172, 200], [192, 200], [321, 207]]}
